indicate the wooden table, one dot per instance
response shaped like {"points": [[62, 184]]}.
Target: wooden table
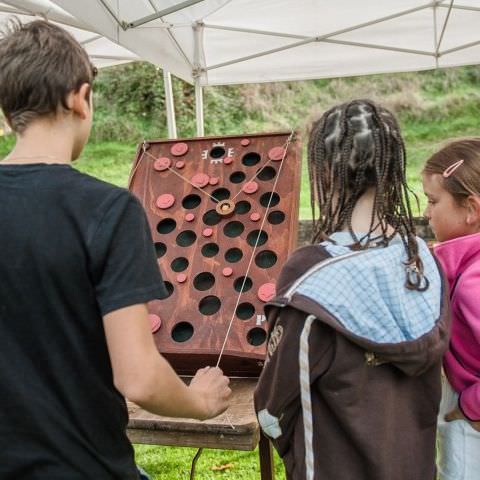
{"points": [[236, 429]]}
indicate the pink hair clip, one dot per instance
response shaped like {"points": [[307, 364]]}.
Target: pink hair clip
{"points": [[449, 170]]}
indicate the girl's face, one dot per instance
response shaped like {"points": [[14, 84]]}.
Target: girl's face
{"points": [[445, 215]]}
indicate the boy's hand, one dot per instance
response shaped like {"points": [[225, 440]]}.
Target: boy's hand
{"points": [[457, 414], [211, 388]]}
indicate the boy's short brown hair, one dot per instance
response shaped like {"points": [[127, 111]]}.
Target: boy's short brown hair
{"points": [[40, 64]]}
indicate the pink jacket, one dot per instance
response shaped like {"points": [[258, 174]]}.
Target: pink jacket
{"points": [[460, 259]]}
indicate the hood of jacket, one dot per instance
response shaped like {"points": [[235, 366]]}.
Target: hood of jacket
{"points": [[362, 295]]}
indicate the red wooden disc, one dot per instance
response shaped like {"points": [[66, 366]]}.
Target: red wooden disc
{"points": [[189, 217], [266, 292], [155, 322], [255, 217], [181, 278], [180, 164], [162, 163], [227, 272], [207, 232], [214, 181], [200, 180], [227, 161], [179, 149], [276, 153], [245, 142], [165, 201], [250, 187]]}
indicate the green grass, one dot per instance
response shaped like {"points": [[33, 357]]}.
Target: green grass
{"points": [[168, 463]]}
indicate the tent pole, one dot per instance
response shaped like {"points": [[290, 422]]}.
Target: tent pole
{"points": [[199, 108], [170, 105]]}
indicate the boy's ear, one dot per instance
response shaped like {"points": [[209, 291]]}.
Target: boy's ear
{"points": [[79, 101], [472, 203]]}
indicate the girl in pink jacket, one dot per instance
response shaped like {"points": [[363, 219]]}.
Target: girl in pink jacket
{"points": [[451, 181]]}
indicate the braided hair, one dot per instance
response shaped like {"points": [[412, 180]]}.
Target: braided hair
{"points": [[352, 148]]}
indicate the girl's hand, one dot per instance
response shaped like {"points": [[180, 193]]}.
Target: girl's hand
{"points": [[457, 414]]}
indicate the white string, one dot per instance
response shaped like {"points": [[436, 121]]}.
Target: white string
{"points": [[252, 179], [183, 178], [287, 144]]}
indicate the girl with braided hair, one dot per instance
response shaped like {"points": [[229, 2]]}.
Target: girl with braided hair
{"points": [[351, 385]]}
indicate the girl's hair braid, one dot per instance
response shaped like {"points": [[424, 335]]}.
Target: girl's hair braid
{"points": [[354, 147]]}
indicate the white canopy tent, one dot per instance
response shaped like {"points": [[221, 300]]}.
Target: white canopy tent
{"points": [[217, 42]]}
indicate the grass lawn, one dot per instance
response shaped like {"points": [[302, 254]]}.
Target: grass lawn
{"points": [[168, 463]]}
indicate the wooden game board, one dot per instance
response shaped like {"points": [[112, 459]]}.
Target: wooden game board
{"points": [[223, 213]]}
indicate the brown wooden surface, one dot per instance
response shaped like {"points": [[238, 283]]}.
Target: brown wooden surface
{"points": [[241, 358], [236, 429]]}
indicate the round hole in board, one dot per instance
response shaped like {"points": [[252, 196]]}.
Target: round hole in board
{"points": [[242, 284], [256, 336], [265, 259], [233, 255], [233, 229], [245, 311], [160, 249], [169, 288], [217, 152], [166, 226], [212, 217], [209, 305], [204, 281], [257, 237], [242, 207], [276, 217], [182, 332], [221, 194], [265, 174], [269, 199], [186, 238], [210, 250], [191, 201], [250, 159], [179, 264], [237, 177]]}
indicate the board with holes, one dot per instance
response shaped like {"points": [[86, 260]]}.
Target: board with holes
{"points": [[223, 213]]}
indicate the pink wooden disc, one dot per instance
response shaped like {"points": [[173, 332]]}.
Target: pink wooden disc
{"points": [[245, 142], [227, 161], [276, 153], [189, 217], [180, 164], [181, 278], [266, 292], [250, 187], [255, 217], [165, 201], [200, 180], [155, 322], [207, 232], [162, 163], [227, 272], [179, 149], [214, 181]]}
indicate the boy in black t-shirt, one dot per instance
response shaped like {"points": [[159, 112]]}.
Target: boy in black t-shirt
{"points": [[77, 266]]}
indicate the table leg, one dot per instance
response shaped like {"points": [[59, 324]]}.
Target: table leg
{"points": [[265, 452]]}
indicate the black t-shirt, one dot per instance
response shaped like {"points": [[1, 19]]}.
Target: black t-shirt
{"points": [[72, 248]]}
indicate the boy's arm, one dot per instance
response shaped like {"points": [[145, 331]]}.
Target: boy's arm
{"points": [[143, 376]]}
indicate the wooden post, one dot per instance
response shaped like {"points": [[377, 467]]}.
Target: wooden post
{"points": [[267, 471]]}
